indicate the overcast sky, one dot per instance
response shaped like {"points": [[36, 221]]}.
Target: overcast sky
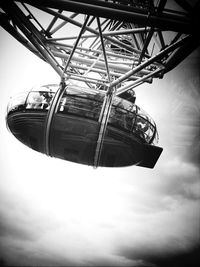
{"points": [[53, 212]]}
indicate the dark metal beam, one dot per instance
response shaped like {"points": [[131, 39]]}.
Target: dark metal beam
{"points": [[157, 57], [146, 43], [179, 55], [164, 21], [185, 5], [77, 23], [31, 33], [4, 23]]}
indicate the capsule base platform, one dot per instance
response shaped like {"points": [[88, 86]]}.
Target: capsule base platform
{"points": [[74, 138]]}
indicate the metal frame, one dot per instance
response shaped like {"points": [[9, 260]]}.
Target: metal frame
{"points": [[120, 44]]}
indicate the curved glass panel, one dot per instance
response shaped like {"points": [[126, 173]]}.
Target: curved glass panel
{"points": [[17, 102], [121, 118], [80, 106], [146, 127], [81, 102], [39, 100], [87, 103], [46, 88], [124, 114]]}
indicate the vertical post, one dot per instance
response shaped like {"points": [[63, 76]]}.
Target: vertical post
{"points": [[51, 113], [106, 107], [105, 113]]}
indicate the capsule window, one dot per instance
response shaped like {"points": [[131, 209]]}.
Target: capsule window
{"points": [[80, 106], [17, 103], [39, 100]]}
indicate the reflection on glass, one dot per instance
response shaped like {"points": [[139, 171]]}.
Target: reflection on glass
{"points": [[124, 114], [39, 100], [122, 118], [80, 106], [17, 102]]}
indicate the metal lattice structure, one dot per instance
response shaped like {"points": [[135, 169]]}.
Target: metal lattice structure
{"points": [[107, 45], [125, 43]]}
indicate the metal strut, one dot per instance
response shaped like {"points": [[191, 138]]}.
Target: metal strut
{"points": [[56, 100], [106, 107], [131, 57], [50, 116], [103, 121], [132, 44]]}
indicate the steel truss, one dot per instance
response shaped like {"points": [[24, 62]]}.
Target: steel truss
{"points": [[140, 40], [108, 45]]}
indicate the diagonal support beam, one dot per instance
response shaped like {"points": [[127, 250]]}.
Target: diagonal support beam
{"points": [[51, 24], [131, 85], [157, 57], [4, 22], [31, 33], [76, 44], [74, 22], [146, 43], [103, 48]]}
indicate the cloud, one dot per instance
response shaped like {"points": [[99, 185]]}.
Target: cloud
{"points": [[168, 215], [179, 179], [118, 260], [10, 230], [21, 227], [55, 213], [159, 258], [14, 224], [17, 254]]}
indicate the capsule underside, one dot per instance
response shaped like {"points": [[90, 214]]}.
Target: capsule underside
{"points": [[75, 128]]}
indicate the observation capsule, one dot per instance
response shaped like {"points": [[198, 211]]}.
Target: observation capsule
{"points": [[71, 131]]}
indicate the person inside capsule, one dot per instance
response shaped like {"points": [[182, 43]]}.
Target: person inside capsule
{"points": [[124, 113], [39, 100], [75, 125]]}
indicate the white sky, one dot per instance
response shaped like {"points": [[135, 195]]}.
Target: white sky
{"points": [[54, 212]]}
